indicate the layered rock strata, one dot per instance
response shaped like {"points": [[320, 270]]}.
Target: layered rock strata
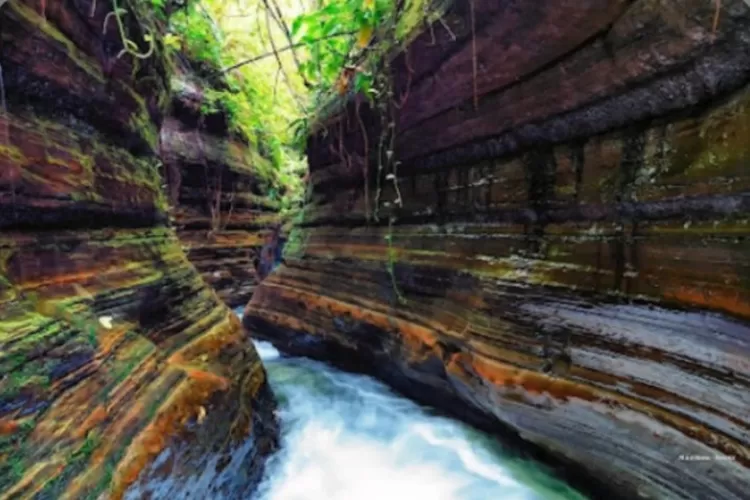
{"points": [[113, 350], [562, 250], [223, 211]]}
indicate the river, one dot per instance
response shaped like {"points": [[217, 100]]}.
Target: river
{"points": [[349, 437]]}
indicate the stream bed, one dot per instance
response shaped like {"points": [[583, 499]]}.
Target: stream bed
{"points": [[349, 437]]}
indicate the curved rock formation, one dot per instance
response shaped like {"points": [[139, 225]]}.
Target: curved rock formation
{"points": [[223, 212], [113, 350], [565, 251]]}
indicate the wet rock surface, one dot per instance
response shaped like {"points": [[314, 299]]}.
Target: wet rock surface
{"points": [[113, 351], [570, 259], [223, 210]]}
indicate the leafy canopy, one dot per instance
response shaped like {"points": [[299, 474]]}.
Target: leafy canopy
{"points": [[207, 32], [289, 59]]}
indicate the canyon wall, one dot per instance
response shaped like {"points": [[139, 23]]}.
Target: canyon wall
{"points": [[552, 241], [223, 213], [121, 371]]}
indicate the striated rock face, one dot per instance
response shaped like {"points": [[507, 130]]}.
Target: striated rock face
{"points": [[571, 260], [223, 213], [113, 351]]}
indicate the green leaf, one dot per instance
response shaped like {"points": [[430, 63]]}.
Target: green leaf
{"points": [[363, 83], [331, 27], [171, 41], [311, 36], [299, 26], [331, 9]]}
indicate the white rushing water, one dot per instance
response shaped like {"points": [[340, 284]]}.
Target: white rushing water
{"points": [[349, 437]]}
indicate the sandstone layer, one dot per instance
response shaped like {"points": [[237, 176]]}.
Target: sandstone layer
{"points": [[563, 248], [113, 350], [222, 206]]}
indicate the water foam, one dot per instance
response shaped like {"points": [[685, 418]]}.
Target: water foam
{"points": [[348, 437]]}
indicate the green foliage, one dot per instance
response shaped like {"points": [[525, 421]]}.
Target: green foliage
{"points": [[334, 47], [202, 39], [334, 37], [158, 5], [243, 97], [347, 42], [336, 32]]}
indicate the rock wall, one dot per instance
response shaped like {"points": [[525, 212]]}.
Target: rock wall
{"points": [[563, 251], [113, 351], [223, 213]]}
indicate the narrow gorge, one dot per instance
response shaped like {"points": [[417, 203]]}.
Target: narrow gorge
{"points": [[221, 210], [523, 228]]}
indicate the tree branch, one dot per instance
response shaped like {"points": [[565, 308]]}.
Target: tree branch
{"points": [[283, 49], [278, 17], [278, 60]]}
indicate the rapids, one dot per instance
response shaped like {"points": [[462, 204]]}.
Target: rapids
{"points": [[349, 437]]}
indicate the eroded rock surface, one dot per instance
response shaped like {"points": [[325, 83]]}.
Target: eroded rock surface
{"points": [[113, 350], [223, 210], [571, 257]]}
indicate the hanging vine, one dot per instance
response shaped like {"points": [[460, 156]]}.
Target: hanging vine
{"points": [[342, 68], [129, 46]]}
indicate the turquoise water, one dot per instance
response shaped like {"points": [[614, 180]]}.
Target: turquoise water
{"points": [[349, 437]]}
